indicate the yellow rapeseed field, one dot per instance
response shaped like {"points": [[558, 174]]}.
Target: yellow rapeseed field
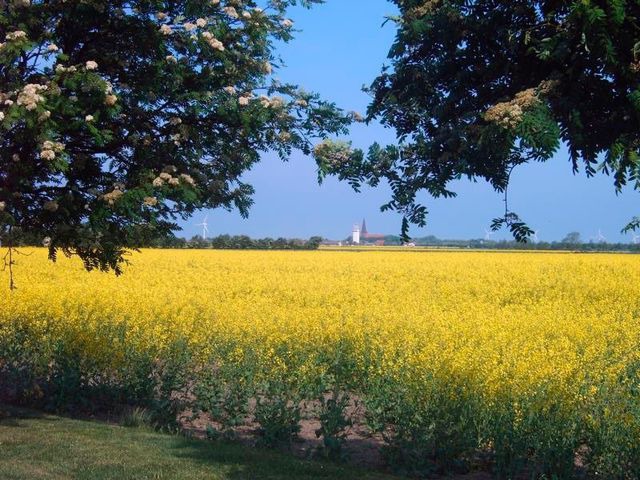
{"points": [[517, 350]]}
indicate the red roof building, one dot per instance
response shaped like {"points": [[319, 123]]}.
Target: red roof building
{"points": [[365, 235]]}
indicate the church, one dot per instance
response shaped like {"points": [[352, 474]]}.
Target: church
{"points": [[361, 236]]}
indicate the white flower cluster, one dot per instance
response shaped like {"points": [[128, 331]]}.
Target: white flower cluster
{"points": [[356, 117], [17, 35], [273, 102], [509, 114], [212, 41], [427, 8], [30, 96], [113, 196], [231, 11], [110, 100], [49, 149], [166, 177], [334, 153], [91, 65], [63, 69], [3, 205], [150, 201]]}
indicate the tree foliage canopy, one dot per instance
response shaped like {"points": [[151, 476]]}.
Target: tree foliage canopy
{"points": [[118, 117], [476, 88]]}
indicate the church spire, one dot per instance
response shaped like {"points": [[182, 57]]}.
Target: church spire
{"points": [[363, 230]]}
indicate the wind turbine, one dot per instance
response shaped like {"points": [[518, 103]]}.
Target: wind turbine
{"points": [[601, 238], [535, 235], [487, 234], [636, 238], [204, 226]]}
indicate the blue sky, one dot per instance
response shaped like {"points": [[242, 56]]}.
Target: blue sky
{"points": [[342, 46]]}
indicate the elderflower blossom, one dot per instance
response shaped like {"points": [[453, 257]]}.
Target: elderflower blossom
{"points": [[1, 116], [187, 179], [52, 48], [356, 116], [286, 23], [47, 154], [88, 118], [161, 15], [3, 205], [509, 114], [113, 196], [17, 35], [188, 26], [110, 100], [166, 30], [91, 65], [212, 41], [171, 59], [29, 97], [157, 182], [276, 102], [427, 8], [244, 101], [201, 22], [230, 90], [150, 201], [231, 11]]}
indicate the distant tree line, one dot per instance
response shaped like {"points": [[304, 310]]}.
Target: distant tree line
{"points": [[571, 242], [244, 242], [227, 242]]}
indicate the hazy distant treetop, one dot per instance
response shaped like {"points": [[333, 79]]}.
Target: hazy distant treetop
{"points": [[476, 88], [117, 117]]}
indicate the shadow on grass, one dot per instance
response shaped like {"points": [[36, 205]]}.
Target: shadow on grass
{"points": [[100, 451], [242, 462], [11, 416]]}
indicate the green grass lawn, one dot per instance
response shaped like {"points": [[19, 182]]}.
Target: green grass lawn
{"points": [[35, 445]]}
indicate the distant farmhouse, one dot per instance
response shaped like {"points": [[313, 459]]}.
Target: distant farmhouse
{"points": [[361, 236]]}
